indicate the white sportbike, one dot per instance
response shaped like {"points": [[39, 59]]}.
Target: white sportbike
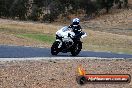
{"points": [[67, 41]]}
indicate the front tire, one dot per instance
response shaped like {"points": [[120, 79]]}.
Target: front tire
{"points": [[54, 48], [76, 48]]}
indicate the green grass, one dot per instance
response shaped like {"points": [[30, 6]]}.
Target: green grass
{"points": [[38, 37]]}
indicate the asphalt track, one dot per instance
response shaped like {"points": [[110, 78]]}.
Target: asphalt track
{"points": [[29, 52]]}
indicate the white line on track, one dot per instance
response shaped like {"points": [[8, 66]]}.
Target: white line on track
{"points": [[56, 58]]}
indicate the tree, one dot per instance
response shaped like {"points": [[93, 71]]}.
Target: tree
{"points": [[107, 4], [4, 7], [35, 13], [56, 8], [19, 9]]}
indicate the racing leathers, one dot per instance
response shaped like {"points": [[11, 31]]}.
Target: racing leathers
{"points": [[77, 30]]}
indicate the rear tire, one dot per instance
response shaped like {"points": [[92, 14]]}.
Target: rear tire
{"points": [[54, 48], [76, 48]]}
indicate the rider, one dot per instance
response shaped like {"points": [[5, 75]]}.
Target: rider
{"points": [[76, 27]]}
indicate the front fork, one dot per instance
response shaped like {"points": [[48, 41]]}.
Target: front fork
{"points": [[60, 43]]}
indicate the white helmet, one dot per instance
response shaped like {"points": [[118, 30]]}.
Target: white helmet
{"points": [[75, 21]]}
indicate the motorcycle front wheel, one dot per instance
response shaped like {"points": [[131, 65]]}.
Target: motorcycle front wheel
{"points": [[76, 49], [54, 48]]}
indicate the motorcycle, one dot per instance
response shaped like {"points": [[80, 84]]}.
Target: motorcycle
{"points": [[67, 41]]}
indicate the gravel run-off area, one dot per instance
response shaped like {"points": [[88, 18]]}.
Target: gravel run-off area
{"points": [[60, 73]]}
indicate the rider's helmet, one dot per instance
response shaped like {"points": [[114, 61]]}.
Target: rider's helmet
{"points": [[75, 21]]}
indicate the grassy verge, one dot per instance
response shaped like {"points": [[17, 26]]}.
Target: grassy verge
{"points": [[43, 34], [38, 37], [103, 41]]}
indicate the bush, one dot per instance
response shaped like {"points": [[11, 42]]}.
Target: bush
{"points": [[49, 18], [18, 9], [34, 14]]}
